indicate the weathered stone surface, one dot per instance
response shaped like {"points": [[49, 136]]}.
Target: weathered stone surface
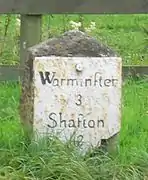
{"points": [[72, 43], [77, 95]]}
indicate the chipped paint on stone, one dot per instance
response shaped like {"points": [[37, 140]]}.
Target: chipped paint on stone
{"points": [[86, 101]]}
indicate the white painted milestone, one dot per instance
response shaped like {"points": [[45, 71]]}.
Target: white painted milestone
{"points": [[78, 96]]}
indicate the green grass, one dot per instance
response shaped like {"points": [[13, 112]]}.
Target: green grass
{"points": [[54, 160], [123, 33]]}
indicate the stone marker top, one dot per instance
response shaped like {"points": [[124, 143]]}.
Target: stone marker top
{"points": [[72, 43]]}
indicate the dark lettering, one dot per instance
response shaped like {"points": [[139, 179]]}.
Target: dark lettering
{"points": [[46, 77], [98, 123], [79, 119], [71, 82], [72, 123], [113, 82], [79, 102], [100, 80], [107, 82], [91, 123], [55, 82], [86, 82], [84, 123], [78, 141], [54, 123], [62, 121], [81, 82], [96, 80]]}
